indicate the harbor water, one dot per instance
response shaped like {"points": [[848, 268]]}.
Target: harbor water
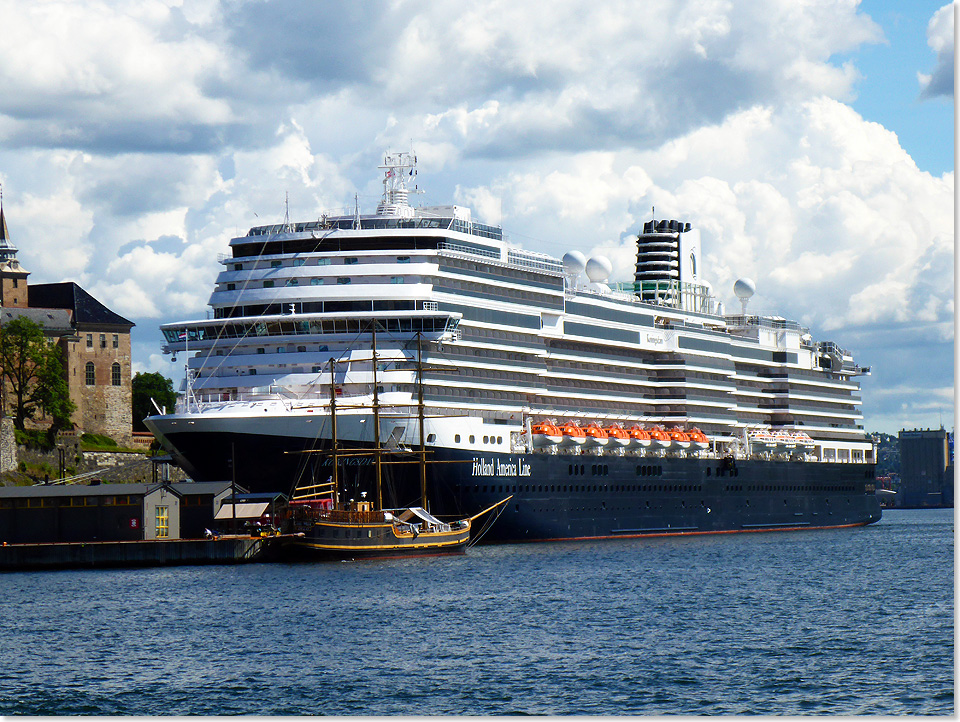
{"points": [[844, 621]]}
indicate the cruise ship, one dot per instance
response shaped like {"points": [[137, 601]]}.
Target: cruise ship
{"points": [[423, 345]]}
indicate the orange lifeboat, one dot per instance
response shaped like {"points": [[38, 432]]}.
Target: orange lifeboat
{"points": [[698, 440], [545, 434], [678, 439], [596, 436], [639, 437], [618, 435], [572, 435], [659, 439]]}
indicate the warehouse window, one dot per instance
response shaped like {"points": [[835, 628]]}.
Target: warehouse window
{"points": [[163, 522], [103, 340], [116, 340], [91, 373], [115, 374], [89, 340]]}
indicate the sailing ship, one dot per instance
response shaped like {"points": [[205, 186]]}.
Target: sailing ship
{"points": [[320, 524]]}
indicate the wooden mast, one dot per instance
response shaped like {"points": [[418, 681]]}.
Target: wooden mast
{"points": [[420, 415], [376, 419], [335, 476]]}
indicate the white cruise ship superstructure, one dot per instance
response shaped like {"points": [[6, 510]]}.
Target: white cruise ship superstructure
{"points": [[604, 409]]}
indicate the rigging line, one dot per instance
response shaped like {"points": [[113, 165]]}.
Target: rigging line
{"points": [[246, 283]]}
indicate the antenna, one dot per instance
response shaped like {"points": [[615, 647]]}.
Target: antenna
{"points": [[356, 211], [286, 210]]}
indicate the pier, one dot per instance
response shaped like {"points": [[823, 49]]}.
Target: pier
{"points": [[149, 553]]}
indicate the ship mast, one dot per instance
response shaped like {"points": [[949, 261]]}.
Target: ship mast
{"points": [[334, 477], [420, 414], [376, 419]]}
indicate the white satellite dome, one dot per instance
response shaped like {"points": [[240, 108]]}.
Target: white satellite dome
{"points": [[599, 269], [573, 263], [744, 288]]}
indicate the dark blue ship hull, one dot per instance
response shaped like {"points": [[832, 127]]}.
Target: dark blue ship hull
{"points": [[567, 496], [580, 496]]}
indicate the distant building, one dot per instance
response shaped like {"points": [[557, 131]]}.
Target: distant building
{"points": [[926, 469], [95, 342]]}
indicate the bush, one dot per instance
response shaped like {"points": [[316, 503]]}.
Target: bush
{"points": [[35, 439]]}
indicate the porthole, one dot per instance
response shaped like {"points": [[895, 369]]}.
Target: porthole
{"points": [[456, 438], [431, 438]]}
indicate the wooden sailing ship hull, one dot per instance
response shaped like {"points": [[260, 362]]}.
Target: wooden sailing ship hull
{"points": [[332, 535]]}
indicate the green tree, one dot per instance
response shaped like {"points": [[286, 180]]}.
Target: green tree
{"points": [[33, 375], [147, 386]]}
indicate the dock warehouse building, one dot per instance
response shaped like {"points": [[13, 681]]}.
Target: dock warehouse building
{"points": [[109, 512]]}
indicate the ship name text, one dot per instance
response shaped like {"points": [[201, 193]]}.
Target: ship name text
{"points": [[495, 467]]}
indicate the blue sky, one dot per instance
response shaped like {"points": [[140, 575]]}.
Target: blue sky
{"points": [[888, 93], [810, 142]]}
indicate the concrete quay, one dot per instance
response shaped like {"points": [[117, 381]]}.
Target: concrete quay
{"points": [[149, 553]]}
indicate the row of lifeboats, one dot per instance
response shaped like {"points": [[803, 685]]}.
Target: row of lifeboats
{"points": [[570, 435], [779, 440]]}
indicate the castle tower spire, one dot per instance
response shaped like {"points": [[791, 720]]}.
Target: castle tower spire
{"points": [[13, 276]]}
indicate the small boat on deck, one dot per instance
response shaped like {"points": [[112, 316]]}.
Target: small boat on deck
{"points": [[678, 439], [659, 439], [572, 435], [545, 434], [639, 437], [698, 440], [618, 436], [596, 436]]}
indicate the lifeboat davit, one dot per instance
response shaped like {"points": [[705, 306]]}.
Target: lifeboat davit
{"points": [[572, 435], [618, 435], [678, 439], [596, 436], [698, 440], [659, 439], [639, 437], [545, 434]]}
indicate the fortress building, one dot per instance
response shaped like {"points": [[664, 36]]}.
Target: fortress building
{"points": [[94, 340]]}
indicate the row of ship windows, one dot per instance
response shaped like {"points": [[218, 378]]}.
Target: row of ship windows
{"points": [[822, 488], [297, 262], [429, 324], [448, 284], [485, 353], [339, 280], [471, 439], [499, 335]]}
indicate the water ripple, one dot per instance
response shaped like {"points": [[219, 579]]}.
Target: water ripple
{"points": [[852, 621]]}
